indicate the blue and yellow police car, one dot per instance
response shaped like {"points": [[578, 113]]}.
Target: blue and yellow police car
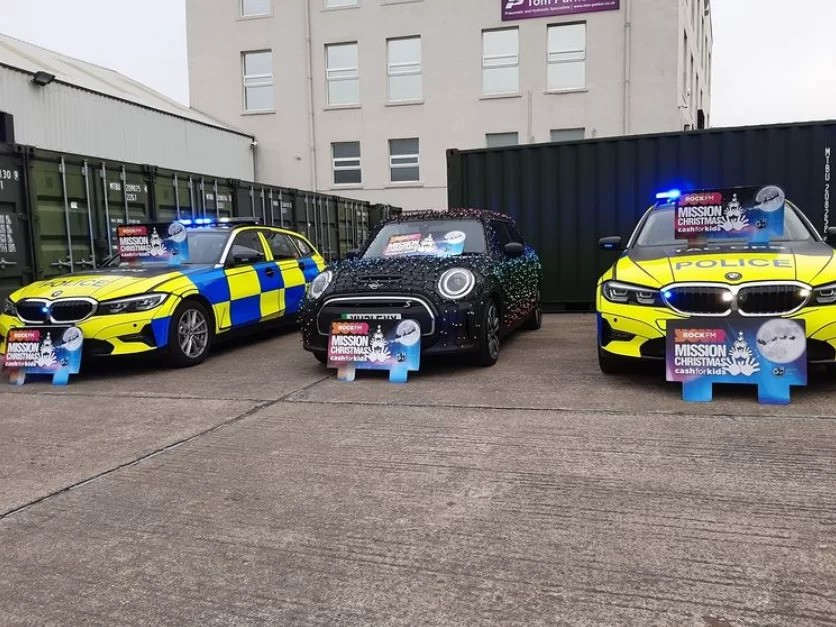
{"points": [[235, 274]]}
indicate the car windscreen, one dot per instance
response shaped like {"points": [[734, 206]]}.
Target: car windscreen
{"points": [[658, 229], [205, 247], [435, 238]]}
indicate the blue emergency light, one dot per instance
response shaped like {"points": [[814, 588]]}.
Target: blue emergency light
{"points": [[672, 194]]}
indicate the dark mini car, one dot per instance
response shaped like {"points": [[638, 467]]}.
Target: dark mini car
{"points": [[466, 276]]}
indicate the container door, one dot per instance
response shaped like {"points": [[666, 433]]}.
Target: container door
{"points": [[63, 226], [15, 264], [126, 200], [173, 197]]}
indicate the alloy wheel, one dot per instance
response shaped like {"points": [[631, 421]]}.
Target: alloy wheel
{"points": [[193, 333]]}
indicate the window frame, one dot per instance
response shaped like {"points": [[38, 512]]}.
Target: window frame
{"points": [[268, 237], [262, 80], [405, 72], [558, 61], [402, 166], [343, 168], [516, 135], [328, 71], [329, 7], [229, 262], [500, 65], [249, 16]]}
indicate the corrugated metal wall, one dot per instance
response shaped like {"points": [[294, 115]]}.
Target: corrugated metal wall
{"points": [[567, 195], [66, 119], [59, 212]]}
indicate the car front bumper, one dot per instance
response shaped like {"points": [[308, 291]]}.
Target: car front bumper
{"points": [[639, 332], [447, 326], [119, 334]]}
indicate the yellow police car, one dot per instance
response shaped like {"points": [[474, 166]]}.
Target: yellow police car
{"points": [[660, 277], [235, 274]]}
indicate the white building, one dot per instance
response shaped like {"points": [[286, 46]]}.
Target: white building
{"points": [[363, 97], [66, 105]]}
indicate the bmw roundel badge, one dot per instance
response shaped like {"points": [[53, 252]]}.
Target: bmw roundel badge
{"points": [[734, 276]]}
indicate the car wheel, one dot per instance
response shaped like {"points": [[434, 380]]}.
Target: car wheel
{"points": [[613, 364], [321, 357], [535, 319], [191, 334], [488, 351]]}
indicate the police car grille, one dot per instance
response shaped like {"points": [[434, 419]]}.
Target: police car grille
{"points": [[31, 311], [771, 299], [700, 300]]}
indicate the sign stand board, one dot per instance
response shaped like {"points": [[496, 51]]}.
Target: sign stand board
{"points": [[50, 350], [374, 342], [768, 352]]}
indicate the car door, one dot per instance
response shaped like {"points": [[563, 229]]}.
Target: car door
{"points": [[292, 268], [254, 280], [516, 285]]}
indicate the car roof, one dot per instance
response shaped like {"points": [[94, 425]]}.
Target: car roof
{"points": [[448, 214]]}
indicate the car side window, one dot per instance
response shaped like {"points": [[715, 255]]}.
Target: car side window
{"points": [[247, 248], [282, 246], [303, 247], [515, 234], [501, 235]]}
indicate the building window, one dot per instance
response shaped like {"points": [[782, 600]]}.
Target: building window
{"points": [[567, 134], [500, 61], [258, 80], [497, 140], [567, 57], [331, 4], [404, 63], [255, 8], [343, 74], [404, 162], [346, 156]]}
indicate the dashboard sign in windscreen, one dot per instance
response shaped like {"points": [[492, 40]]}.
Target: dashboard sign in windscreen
{"points": [[432, 238]]}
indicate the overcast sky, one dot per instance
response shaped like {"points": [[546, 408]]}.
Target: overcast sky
{"points": [[773, 59]]}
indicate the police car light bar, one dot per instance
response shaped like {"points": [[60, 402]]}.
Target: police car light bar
{"points": [[220, 222], [673, 194]]}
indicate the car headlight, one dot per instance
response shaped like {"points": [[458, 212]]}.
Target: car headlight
{"points": [[9, 307], [624, 293], [456, 283], [320, 284], [132, 304], [825, 295]]}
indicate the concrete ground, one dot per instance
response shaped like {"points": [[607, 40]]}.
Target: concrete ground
{"points": [[257, 489]]}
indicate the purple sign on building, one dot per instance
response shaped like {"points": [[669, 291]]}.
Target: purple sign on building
{"points": [[525, 9]]}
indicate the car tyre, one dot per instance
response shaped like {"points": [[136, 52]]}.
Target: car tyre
{"points": [[190, 335], [487, 352], [535, 319], [613, 364], [321, 357]]}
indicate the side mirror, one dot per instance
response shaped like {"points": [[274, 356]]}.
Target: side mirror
{"points": [[830, 236], [612, 243], [514, 249], [352, 254]]}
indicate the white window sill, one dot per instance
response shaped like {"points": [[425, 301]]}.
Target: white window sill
{"points": [[557, 92], [499, 96], [259, 112], [346, 186], [348, 6], [401, 184], [249, 18], [341, 107], [404, 103], [386, 2]]}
